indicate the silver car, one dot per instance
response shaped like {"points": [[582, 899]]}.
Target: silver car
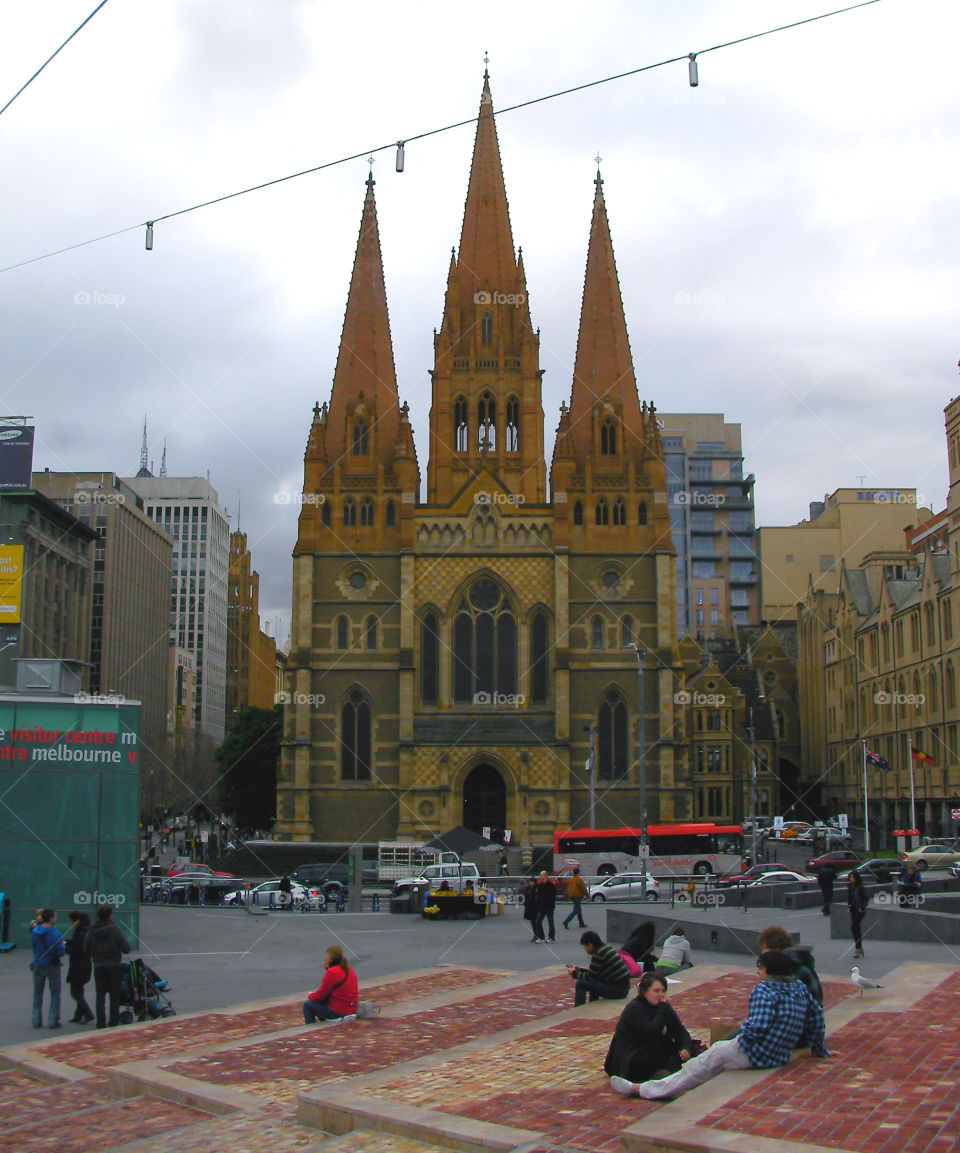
{"points": [[625, 887]]}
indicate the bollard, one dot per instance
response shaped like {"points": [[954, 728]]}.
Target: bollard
{"points": [[375, 903], [271, 900]]}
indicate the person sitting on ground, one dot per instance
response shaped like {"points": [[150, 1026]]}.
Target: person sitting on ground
{"points": [[804, 970], [607, 975], [637, 950], [675, 952], [650, 1039], [911, 883], [339, 992], [780, 1012]]}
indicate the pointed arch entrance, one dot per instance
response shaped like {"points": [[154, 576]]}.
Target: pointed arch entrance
{"points": [[484, 799]]}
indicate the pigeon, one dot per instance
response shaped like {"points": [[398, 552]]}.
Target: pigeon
{"points": [[860, 982]]}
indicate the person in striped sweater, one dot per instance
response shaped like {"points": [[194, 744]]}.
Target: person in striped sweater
{"points": [[607, 975]]}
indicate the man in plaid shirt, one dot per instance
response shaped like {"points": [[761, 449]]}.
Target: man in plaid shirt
{"points": [[781, 1015]]}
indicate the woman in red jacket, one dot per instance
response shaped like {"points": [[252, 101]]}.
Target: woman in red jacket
{"points": [[338, 994]]}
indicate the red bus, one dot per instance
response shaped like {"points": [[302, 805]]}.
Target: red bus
{"points": [[675, 849]]}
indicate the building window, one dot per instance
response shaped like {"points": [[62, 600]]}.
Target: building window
{"points": [[947, 619], [360, 438], [642, 513], [602, 512], [612, 738], [539, 667], [484, 645], [325, 513], [366, 511], [596, 633], [349, 511], [355, 744], [512, 431], [460, 424], [608, 438], [713, 721], [486, 329], [391, 514], [578, 513], [371, 633], [429, 659], [950, 686], [487, 423], [626, 632], [619, 512], [341, 633], [707, 569]]}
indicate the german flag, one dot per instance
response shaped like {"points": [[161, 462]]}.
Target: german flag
{"points": [[920, 757]]}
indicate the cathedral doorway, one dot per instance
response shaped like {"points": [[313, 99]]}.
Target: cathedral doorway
{"points": [[484, 799]]}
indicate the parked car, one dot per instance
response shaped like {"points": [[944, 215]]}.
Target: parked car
{"points": [[624, 887], [332, 880], [883, 869], [781, 877], [840, 859], [933, 856], [194, 867], [303, 897], [184, 888], [752, 874]]}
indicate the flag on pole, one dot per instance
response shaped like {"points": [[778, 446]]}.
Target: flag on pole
{"points": [[876, 759], [920, 757]]}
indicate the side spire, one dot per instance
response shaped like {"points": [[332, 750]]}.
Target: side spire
{"points": [[365, 376], [144, 469]]}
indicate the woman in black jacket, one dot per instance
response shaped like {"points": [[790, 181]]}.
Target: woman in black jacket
{"points": [[857, 904], [79, 972], [650, 1038]]}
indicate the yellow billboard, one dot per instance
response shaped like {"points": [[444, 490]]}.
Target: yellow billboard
{"points": [[11, 572]]}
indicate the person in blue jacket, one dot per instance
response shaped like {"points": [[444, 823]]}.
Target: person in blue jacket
{"points": [[48, 948]]}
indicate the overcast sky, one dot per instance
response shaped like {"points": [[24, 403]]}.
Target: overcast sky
{"points": [[786, 234]]}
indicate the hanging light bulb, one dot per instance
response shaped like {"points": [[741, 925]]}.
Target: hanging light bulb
{"points": [[400, 144], [692, 69], [149, 236]]}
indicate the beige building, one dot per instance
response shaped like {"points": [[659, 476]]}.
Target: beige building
{"points": [[843, 528], [878, 667], [251, 653], [711, 524]]}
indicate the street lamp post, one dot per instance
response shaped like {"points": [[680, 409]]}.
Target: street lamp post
{"points": [[752, 741], [641, 772], [592, 730]]}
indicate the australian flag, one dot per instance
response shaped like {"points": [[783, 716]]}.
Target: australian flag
{"points": [[876, 759]]}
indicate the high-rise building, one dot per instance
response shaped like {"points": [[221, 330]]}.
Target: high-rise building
{"points": [[449, 657], [711, 523], [251, 654], [188, 509], [843, 528], [131, 578]]}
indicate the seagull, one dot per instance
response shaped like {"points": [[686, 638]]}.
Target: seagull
{"points": [[860, 982]]}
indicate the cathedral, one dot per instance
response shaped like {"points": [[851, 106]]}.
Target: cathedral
{"points": [[465, 655]]}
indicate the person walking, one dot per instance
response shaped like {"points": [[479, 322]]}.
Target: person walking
{"points": [[502, 864], [780, 1012], [80, 969], [575, 892], [286, 892], [825, 878], [339, 992], [48, 948], [105, 945], [857, 904], [607, 976], [546, 903]]}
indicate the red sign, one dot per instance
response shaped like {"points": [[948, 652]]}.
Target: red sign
{"points": [[955, 813]]}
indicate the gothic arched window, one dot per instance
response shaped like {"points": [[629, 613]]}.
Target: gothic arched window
{"points": [[366, 511], [325, 513], [608, 438], [349, 511], [484, 645], [390, 514], [539, 667], [512, 431], [370, 633], [429, 659], [602, 512], [355, 742], [626, 631], [460, 424], [642, 513], [360, 438], [612, 738], [578, 513], [486, 329], [596, 633], [487, 423], [619, 512], [342, 633]]}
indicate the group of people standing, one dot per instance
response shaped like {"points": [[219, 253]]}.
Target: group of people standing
{"points": [[92, 950]]}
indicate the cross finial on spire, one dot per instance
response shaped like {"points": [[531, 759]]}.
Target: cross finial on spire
{"points": [[371, 160], [486, 61], [597, 159]]}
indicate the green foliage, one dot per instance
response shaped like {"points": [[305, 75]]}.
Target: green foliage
{"points": [[248, 768]]}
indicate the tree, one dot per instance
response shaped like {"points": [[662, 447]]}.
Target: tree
{"points": [[248, 768]]}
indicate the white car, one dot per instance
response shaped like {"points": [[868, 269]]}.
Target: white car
{"points": [[625, 887], [778, 877], [268, 895]]}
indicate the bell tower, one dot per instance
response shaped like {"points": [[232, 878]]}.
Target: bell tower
{"points": [[486, 410]]}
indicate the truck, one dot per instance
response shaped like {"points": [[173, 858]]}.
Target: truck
{"points": [[396, 859]]}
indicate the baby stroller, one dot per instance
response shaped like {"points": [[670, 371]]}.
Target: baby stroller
{"points": [[143, 994]]}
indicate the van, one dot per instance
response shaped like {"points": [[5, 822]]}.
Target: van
{"points": [[456, 877]]}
